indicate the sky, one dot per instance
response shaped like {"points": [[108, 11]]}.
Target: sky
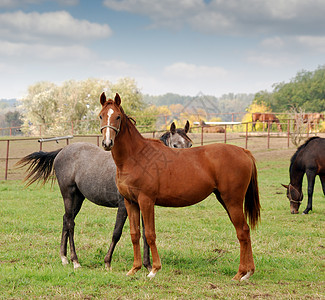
{"points": [[186, 47]]}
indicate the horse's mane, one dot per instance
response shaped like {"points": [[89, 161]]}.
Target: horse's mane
{"points": [[302, 147], [165, 137]]}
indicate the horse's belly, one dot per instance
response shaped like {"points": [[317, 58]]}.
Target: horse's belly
{"points": [[186, 198], [101, 194]]}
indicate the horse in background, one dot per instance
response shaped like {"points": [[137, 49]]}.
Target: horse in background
{"points": [[311, 118], [84, 170], [207, 128], [267, 118], [150, 174], [310, 159]]}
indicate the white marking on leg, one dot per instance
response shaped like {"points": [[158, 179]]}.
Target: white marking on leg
{"points": [[109, 114], [246, 276], [64, 260], [151, 275], [76, 265]]}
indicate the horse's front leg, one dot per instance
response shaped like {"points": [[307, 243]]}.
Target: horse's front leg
{"points": [[311, 183], [134, 219], [121, 217], [146, 249], [148, 213]]}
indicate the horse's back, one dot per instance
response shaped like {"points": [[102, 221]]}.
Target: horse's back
{"points": [[314, 155], [89, 168]]}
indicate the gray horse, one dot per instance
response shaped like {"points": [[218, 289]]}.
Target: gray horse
{"points": [[84, 170]]}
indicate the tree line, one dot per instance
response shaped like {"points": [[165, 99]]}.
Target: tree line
{"points": [[306, 91], [75, 103]]}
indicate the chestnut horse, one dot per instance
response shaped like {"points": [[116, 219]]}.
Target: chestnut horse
{"points": [[150, 174], [84, 170], [310, 159], [312, 119], [265, 118]]}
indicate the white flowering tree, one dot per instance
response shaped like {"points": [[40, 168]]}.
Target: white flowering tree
{"points": [[50, 109]]}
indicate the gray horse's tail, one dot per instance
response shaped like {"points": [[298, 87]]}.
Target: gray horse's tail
{"points": [[40, 166]]}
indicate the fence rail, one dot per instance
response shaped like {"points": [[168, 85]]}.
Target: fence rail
{"points": [[14, 148]]}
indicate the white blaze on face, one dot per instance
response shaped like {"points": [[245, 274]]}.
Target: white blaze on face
{"points": [[109, 114]]}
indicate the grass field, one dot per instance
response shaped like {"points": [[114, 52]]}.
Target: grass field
{"points": [[198, 247]]}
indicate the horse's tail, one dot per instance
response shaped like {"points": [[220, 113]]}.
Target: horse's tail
{"points": [[40, 166], [252, 205]]}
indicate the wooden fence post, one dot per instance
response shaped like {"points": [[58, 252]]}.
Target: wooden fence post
{"points": [[7, 161], [246, 136], [288, 133], [225, 134], [268, 135]]}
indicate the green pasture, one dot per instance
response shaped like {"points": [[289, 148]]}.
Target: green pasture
{"points": [[198, 247]]}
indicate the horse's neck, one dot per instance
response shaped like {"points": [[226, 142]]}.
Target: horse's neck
{"points": [[296, 175], [128, 142]]}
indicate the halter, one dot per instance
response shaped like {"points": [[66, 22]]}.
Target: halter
{"points": [[117, 130], [290, 199]]}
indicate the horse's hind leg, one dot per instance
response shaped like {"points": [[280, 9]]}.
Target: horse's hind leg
{"points": [[235, 212], [246, 265], [73, 200], [121, 217]]}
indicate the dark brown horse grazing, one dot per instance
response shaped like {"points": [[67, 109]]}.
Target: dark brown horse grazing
{"points": [[267, 118], [309, 159], [84, 170], [149, 174]]}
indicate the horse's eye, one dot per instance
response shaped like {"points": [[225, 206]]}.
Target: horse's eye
{"points": [[100, 117], [118, 117], [175, 146]]}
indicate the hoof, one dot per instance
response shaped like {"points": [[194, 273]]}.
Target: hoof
{"points": [[132, 271], [64, 260], [76, 265], [242, 277], [148, 267], [151, 275], [108, 267], [246, 276]]}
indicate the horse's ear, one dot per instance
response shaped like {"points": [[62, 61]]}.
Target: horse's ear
{"points": [[187, 126], [285, 186], [172, 128], [102, 98], [117, 99]]}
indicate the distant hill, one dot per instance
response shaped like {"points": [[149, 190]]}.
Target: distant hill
{"points": [[8, 105], [227, 103]]}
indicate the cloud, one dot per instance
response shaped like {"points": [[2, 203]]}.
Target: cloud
{"points": [[273, 43], [272, 60], [17, 3], [316, 43], [231, 16], [56, 27], [43, 52]]}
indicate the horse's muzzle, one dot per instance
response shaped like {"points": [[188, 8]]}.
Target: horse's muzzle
{"points": [[108, 146]]}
